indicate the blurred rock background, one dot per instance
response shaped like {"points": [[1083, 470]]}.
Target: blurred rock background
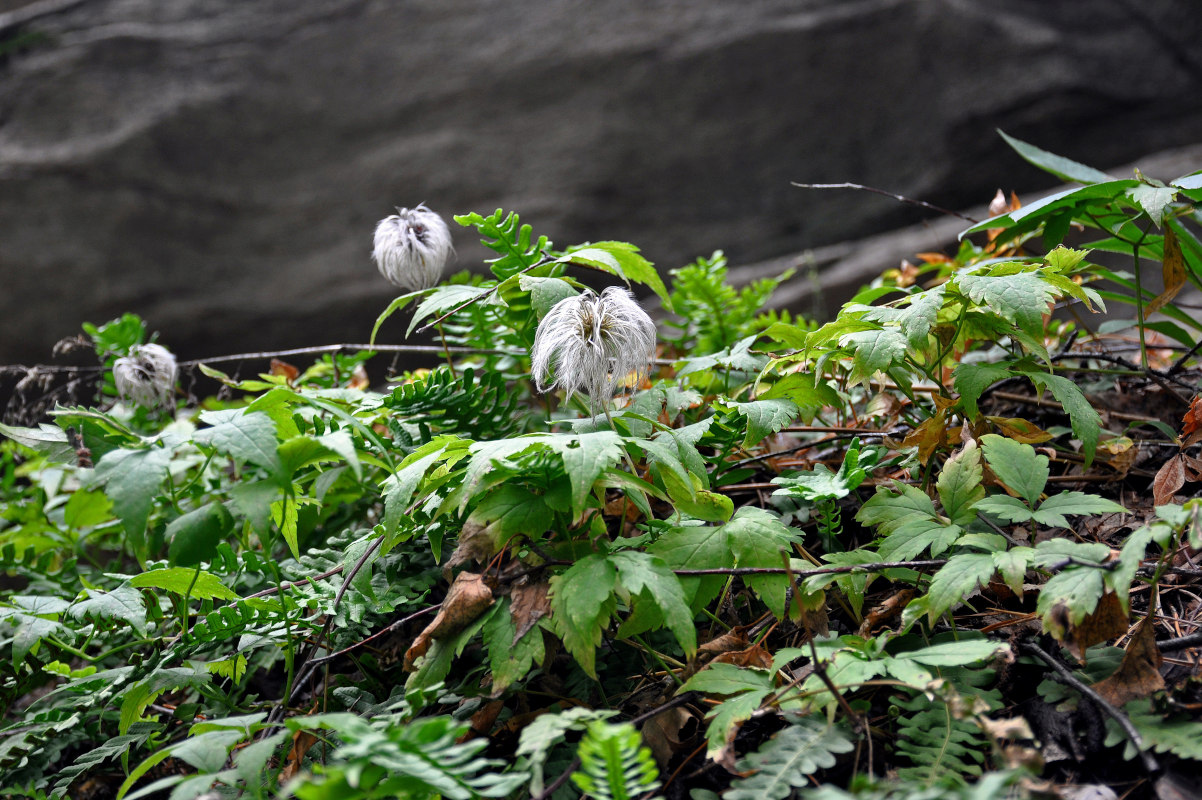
{"points": [[218, 166]]}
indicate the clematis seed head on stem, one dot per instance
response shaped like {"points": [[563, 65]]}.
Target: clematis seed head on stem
{"points": [[593, 342], [411, 247], [146, 376]]}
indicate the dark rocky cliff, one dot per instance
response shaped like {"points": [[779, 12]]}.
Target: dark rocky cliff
{"points": [[218, 165]]}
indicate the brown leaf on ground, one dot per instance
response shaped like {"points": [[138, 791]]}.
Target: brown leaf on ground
{"points": [[1139, 673], [883, 612], [1191, 424], [754, 656], [1168, 481], [301, 742], [483, 720], [1106, 622], [928, 436], [528, 604], [662, 733], [734, 639], [466, 600], [1020, 430]]}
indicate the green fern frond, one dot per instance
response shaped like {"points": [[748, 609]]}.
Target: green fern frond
{"points": [[443, 403], [785, 761], [614, 764], [944, 750]]}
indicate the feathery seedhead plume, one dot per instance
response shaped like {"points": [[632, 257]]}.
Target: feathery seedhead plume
{"points": [[594, 342], [146, 376], [412, 247]]}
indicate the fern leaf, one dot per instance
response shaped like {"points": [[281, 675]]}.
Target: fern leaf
{"points": [[614, 764], [783, 763]]}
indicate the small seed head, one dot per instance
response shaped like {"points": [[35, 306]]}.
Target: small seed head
{"points": [[593, 342], [146, 376], [412, 247]]}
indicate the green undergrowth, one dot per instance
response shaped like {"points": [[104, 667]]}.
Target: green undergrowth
{"points": [[782, 566]]}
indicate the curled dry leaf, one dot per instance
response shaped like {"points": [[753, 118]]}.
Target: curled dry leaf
{"points": [[1138, 674], [1168, 481], [528, 604], [301, 742], [284, 369], [466, 600], [754, 656], [662, 733], [1191, 423], [475, 544], [883, 612], [1106, 622]]}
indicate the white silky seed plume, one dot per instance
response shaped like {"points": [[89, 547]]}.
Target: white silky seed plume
{"points": [[411, 247], [146, 376], [593, 342]]}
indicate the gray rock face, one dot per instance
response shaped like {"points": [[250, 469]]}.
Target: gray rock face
{"points": [[218, 165]]}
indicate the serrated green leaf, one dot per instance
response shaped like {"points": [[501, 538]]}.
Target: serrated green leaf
{"points": [[765, 417], [123, 603], [585, 456], [194, 583], [582, 602], [805, 390], [649, 578], [87, 508], [696, 547], [959, 484], [728, 679], [971, 381], [1016, 465], [956, 580], [1012, 566], [393, 307], [49, 440], [891, 508], [244, 436], [1051, 511], [285, 513], [1153, 200], [623, 260], [911, 538], [1006, 508], [545, 292], [954, 654], [1078, 589], [1086, 422], [442, 299], [132, 479], [757, 538], [1022, 299], [875, 351]]}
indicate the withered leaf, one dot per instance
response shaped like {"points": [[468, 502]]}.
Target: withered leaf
{"points": [[883, 612], [1173, 270], [1020, 430], [1191, 430], [734, 639], [528, 604], [662, 733], [466, 600], [754, 656], [301, 742], [284, 369], [1168, 481], [1138, 674], [475, 544], [1106, 622]]}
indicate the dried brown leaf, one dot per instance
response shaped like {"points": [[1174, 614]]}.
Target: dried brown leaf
{"points": [[1168, 481], [466, 600], [883, 612], [301, 742], [284, 369], [1173, 270], [1106, 622], [1139, 673], [475, 544], [528, 604]]}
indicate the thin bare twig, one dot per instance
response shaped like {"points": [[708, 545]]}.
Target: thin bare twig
{"points": [[1067, 677], [900, 197], [805, 573]]}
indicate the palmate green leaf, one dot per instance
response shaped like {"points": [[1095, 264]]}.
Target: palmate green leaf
{"points": [[509, 510], [1086, 422], [585, 456], [1078, 589], [1021, 299], [123, 603], [244, 436], [648, 578], [582, 602], [481, 456], [959, 484], [728, 679], [696, 547], [30, 630], [915, 319], [132, 480], [912, 538], [1006, 508], [874, 351], [784, 762], [956, 580], [971, 381], [194, 583], [1012, 566], [1016, 465], [765, 417], [1153, 200]]}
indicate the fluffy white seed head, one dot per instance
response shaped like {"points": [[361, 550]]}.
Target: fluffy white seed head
{"points": [[593, 343], [146, 376], [412, 247]]}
